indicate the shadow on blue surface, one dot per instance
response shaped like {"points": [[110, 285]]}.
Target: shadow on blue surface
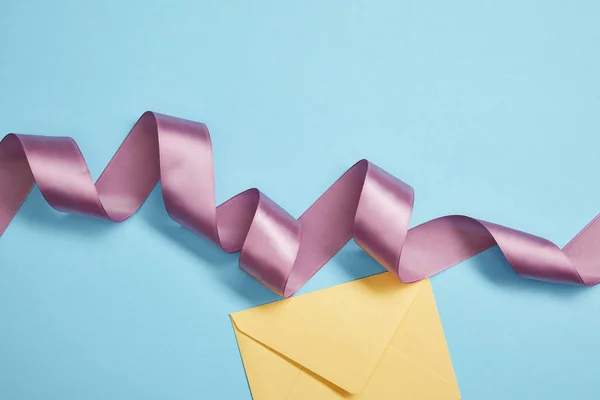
{"points": [[37, 212], [354, 262], [493, 265], [224, 266]]}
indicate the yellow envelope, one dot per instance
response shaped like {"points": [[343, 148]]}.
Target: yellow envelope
{"points": [[373, 338]]}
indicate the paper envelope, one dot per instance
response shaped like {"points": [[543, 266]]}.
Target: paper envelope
{"points": [[373, 338]]}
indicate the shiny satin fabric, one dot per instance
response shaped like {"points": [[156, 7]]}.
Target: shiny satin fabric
{"points": [[365, 203]]}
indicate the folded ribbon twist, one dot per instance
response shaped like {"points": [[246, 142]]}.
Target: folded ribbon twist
{"points": [[282, 252]]}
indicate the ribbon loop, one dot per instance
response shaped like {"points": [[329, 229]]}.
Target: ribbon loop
{"points": [[366, 203]]}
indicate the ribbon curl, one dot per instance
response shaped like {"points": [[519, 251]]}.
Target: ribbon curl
{"points": [[365, 203]]}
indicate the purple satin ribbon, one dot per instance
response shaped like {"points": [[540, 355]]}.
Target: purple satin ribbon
{"points": [[366, 203]]}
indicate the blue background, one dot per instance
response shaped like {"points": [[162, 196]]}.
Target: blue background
{"points": [[486, 108]]}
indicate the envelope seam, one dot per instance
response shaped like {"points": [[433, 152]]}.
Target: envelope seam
{"points": [[293, 384], [410, 358], [425, 367], [412, 301]]}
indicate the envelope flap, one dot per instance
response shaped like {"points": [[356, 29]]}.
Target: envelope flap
{"points": [[338, 333]]}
